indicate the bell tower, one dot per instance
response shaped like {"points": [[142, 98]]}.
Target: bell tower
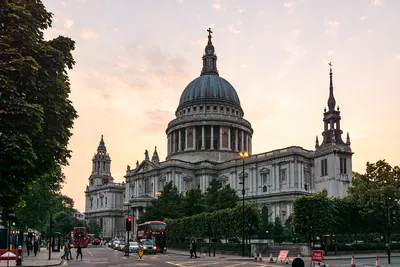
{"points": [[101, 166], [333, 158]]}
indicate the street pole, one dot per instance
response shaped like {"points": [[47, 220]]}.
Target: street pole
{"points": [[243, 155], [9, 233], [51, 230], [243, 193]]}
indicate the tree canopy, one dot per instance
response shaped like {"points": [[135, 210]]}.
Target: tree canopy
{"points": [[36, 116]]}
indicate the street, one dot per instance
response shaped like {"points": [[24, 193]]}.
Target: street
{"points": [[103, 256]]}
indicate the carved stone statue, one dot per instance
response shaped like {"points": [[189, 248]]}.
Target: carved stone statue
{"points": [[137, 163], [128, 168], [146, 155]]}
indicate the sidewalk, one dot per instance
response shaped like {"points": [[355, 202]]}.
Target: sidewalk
{"points": [[42, 258], [266, 257]]}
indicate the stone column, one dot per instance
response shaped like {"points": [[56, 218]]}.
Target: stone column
{"points": [[247, 143], [203, 138], [186, 138], [229, 139], [220, 137], [242, 148], [179, 140], [212, 137], [194, 138], [173, 142], [237, 140]]}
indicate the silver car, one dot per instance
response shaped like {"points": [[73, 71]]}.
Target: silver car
{"points": [[133, 247]]}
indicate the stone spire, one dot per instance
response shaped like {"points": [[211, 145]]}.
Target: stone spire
{"points": [[155, 158], [348, 139], [209, 58], [102, 146], [316, 142], [331, 99]]}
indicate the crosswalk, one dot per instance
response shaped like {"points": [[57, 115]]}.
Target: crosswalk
{"points": [[218, 264]]}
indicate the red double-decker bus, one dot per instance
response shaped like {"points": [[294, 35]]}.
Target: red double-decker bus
{"points": [[155, 231], [79, 235]]}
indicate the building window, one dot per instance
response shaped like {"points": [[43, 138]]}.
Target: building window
{"points": [[227, 110], [283, 176], [97, 202], [208, 108], [221, 109], [91, 202], [188, 110], [201, 108], [324, 167], [343, 166], [194, 109], [106, 201], [215, 108]]}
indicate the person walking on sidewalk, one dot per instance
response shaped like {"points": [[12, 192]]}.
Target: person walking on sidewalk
{"points": [[35, 247], [79, 251]]}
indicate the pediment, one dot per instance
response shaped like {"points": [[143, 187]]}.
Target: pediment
{"points": [[264, 170], [146, 166]]}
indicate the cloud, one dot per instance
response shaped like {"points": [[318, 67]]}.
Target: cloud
{"points": [[294, 50], [217, 6], [398, 57], [377, 3], [330, 52], [331, 27], [363, 18], [68, 23], [241, 10], [88, 34], [289, 4], [157, 121], [233, 29]]}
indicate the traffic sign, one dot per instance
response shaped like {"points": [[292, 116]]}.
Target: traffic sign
{"points": [[140, 252]]}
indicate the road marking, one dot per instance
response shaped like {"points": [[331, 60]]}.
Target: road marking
{"points": [[176, 264], [89, 252], [124, 258]]}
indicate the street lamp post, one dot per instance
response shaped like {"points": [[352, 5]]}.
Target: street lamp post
{"points": [[243, 155], [158, 193]]}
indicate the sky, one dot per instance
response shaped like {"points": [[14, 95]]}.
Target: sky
{"points": [[135, 57]]}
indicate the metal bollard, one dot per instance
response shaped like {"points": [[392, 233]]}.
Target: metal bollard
{"points": [[214, 252]]}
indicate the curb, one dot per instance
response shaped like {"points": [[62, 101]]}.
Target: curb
{"points": [[44, 265]]}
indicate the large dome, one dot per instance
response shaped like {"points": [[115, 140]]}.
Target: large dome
{"points": [[209, 88]]}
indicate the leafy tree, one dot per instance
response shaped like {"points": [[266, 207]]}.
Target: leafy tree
{"points": [[93, 227], [212, 195], [313, 215], [278, 230], [194, 202], [168, 205], [218, 197], [44, 198], [376, 193], [64, 223], [36, 116]]}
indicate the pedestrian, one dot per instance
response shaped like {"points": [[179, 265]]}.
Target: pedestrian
{"points": [[191, 249], [65, 256], [35, 247], [28, 245], [79, 251], [194, 247], [69, 250]]}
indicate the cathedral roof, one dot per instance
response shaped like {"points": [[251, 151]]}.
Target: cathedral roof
{"points": [[209, 87]]}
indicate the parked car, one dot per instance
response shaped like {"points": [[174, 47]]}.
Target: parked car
{"points": [[133, 247], [148, 246]]}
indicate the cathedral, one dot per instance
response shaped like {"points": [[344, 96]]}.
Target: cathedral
{"points": [[210, 138]]}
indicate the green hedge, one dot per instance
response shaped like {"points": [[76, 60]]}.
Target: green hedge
{"points": [[362, 246], [223, 223]]}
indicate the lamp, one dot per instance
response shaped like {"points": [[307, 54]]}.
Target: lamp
{"points": [[243, 155]]}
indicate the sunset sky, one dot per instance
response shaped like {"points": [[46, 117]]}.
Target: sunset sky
{"points": [[135, 57]]}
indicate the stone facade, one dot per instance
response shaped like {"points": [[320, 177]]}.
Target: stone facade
{"points": [[204, 140], [104, 198]]}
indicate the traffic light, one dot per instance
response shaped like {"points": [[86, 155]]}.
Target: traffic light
{"points": [[129, 223], [13, 219]]}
